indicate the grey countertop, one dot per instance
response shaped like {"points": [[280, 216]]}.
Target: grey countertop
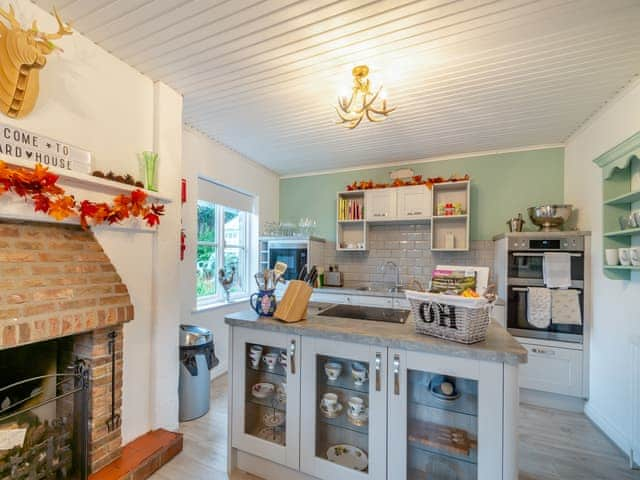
{"points": [[560, 234], [499, 346]]}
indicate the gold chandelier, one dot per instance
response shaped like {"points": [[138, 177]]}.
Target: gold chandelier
{"points": [[361, 104]]}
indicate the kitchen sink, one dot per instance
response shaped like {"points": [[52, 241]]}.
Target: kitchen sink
{"points": [[358, 312]]}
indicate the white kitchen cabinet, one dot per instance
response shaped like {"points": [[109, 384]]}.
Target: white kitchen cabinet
{"points": [[414, 202], [380, 204], [318, 433], [552, 369], [423, 423], [251, 414]]}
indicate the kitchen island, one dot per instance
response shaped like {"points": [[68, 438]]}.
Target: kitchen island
{"points": [[341, 399]]}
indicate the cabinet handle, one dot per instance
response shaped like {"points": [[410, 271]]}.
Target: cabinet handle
{"points": [[415, 213], [542, 351], [378, 367], [292, 357], [396, 374]]}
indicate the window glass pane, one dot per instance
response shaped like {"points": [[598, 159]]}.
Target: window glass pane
{"points": [[234, 227], [235, 257], [206, 271], [206, 222]]}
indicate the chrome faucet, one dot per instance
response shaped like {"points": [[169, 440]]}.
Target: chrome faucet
{"points": [[391, 264], [396, 287]]}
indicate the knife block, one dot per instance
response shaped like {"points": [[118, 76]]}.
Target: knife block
{"points": [[293, 306]]}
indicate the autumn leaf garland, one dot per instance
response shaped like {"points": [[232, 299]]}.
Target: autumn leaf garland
{"points": [[40, 185]]}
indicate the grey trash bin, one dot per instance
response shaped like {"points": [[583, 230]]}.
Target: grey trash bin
{"points": [[197, 357]]}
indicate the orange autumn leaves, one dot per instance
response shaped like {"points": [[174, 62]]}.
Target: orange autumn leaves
{"points": [[40, 186]]}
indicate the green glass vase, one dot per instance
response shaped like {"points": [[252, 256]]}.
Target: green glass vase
{"points": [[149, 169]]}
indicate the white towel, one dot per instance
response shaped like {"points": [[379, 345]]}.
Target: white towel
{"points": [[565, 307], [539, 307], [556, 269]]}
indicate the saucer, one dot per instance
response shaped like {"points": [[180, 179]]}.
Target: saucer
{"points": [[263, 390], [275, 435], [331, 413], [348, 456], [274, 419], [358, 420]]}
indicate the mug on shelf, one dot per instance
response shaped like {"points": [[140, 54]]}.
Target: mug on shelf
{"points": [[270, 360], [624, 257], [255, 355], [359, 373], [356, 406], [611, 256], [265, 302], [332, 370], [329, 402], [634, 256]]}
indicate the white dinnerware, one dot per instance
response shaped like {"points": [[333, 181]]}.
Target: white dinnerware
{"points": [[624, 257], [255, 355], [359, 373], [332, 370], [611, 256], [634, 256], [270, 360]]}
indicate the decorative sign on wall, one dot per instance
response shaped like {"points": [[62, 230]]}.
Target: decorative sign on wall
{"points": [[23, 145]]}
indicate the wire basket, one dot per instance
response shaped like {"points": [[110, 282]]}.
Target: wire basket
{"points": [[460, 319]]}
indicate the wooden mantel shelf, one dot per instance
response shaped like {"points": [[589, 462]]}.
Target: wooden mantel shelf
{"points": [[89, 182]]}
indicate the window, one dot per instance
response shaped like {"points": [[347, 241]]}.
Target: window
{"points": [[223, 240]]}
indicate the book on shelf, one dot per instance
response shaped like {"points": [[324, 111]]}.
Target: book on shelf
{"points": [[350, 209]]}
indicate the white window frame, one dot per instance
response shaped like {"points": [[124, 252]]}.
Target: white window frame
{"points": [[219, 298]]}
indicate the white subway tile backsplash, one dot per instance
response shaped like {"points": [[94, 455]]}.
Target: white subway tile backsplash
{"points": [[408, 246]]}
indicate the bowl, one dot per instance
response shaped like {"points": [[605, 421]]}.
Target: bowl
{"points": [[550, 217]]}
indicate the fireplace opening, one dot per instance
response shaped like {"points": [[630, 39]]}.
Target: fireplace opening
{"points": [[44, 401]]}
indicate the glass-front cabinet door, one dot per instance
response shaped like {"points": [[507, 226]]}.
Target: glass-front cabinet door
{"points": [[266, 393], [445, 420], [343, 405]]}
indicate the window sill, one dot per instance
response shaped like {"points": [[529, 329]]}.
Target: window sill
{"points": [[218, 305]]}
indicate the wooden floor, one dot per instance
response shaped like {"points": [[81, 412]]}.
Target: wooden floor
{"points": [[554, 445]]}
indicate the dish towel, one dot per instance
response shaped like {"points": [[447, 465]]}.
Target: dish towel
{"points": [[539, 307], [556, 269], [565, 307]]}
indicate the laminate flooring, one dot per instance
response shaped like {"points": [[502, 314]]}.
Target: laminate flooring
{"points": [[553, 445]]}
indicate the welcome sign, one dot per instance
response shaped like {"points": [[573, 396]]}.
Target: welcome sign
{"points": [[23, 145]]}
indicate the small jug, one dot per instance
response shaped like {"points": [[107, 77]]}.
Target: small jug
{"points": [[265, 302]]}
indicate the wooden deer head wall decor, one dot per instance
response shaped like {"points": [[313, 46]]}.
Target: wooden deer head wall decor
{"points": [[22, 55]]}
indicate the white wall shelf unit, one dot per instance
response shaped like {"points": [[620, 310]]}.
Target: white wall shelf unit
{"points": [[351, 227], [450, 232]]}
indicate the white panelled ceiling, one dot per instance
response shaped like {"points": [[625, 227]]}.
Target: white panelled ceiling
{"points": [[262, 76]]}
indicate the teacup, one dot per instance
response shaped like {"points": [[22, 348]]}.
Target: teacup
{"points": [[634, 256], [270, 360], [611, 256], [255, 354], [623, 255], [332, 370], [356, 406], [359, 373], [329, 402], [283, 359]]}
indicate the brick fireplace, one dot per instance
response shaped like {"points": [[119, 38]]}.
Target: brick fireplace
{"points": [[56, 282]]}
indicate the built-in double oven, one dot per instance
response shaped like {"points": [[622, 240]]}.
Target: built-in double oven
{"points": [[525, 262]]}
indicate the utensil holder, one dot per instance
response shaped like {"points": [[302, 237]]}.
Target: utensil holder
{"points": [[294, 303]]}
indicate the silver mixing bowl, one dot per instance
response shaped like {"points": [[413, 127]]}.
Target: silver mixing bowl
{"points": [[550, 217]]}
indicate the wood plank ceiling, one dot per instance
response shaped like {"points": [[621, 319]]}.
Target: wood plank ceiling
{"points": [[261, 76]]}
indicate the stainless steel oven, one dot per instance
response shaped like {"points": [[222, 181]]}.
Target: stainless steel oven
{"points": [[525, 269]]}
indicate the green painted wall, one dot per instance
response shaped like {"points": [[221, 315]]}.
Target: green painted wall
{"points": [[501, 186]]}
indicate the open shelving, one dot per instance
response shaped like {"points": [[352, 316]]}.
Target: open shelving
{"points": [[451, 226], [620, 198], [351, 230]]}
